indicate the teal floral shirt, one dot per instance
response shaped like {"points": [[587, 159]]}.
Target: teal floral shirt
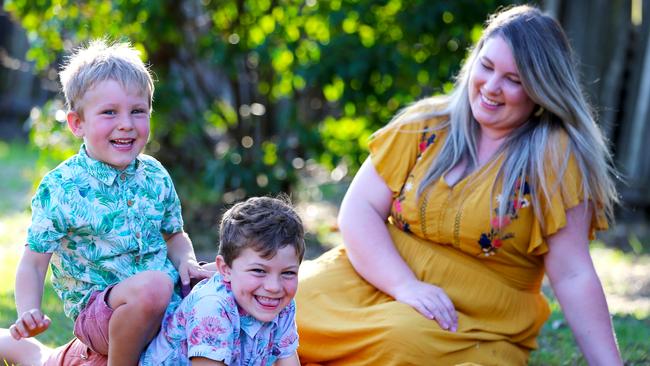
{"points": [[103, 225]]}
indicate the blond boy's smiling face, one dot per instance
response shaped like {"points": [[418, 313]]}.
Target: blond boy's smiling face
{"points": [[114, 124], [262, 287]]}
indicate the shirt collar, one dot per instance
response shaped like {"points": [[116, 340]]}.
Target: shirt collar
{"points": [[102, 171]]}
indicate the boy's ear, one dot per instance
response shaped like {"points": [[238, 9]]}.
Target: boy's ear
{"points": [[75, 123], [223, 268]]}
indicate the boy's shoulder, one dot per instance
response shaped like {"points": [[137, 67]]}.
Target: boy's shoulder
{"points": [[66, 170], [212, 289], [150, 163]]}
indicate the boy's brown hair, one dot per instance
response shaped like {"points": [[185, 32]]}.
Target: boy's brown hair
{"points": [[264, 224]]}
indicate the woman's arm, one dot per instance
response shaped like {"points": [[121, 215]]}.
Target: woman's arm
{"points": [[578, 289], [362, 221]]}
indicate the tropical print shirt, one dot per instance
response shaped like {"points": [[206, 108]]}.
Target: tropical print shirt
{"points": [[103, 225], [208, 323]]}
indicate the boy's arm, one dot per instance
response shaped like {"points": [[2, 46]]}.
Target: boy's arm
{"points": [[181, 253], [201, 361], [30, 277], [288, 361]]}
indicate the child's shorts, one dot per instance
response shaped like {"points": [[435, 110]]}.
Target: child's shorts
{"points": [[91, 326], [75, 353]]}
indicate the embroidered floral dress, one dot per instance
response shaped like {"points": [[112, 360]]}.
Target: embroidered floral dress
{"points": [[451, 236], [208, 323], [103, 225]]}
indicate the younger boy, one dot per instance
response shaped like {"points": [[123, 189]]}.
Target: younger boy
{"points": [[244, 314], [108, 219]]}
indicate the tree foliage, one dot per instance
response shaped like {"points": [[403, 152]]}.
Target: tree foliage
{"points": [[249, 91]]}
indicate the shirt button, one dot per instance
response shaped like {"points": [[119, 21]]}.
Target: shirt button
{"points": [[137, 258], [138, 235], [129, 202], [123, 177]]}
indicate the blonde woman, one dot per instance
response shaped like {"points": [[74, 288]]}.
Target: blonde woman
{"points": [[464, 203]]}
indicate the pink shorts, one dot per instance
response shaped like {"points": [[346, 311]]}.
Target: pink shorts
{"points": [[91, 326], [75, 353]]}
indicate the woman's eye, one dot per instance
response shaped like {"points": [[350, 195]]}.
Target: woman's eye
{"points": [[486, 66], [514, 81], [289, 273]]}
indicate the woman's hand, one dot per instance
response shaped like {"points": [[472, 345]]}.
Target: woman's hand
{"points": [[430, 301]]}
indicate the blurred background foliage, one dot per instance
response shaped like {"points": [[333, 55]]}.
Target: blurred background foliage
{"points": [[251, 93]]}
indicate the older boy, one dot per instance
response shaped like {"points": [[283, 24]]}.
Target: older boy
{"points": [[108, 219]]}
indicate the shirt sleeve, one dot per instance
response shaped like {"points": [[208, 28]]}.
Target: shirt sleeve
{"points": [[210, 332], [172, 221], [394, 150], [286, 336], [564, 193], [48, 224]]}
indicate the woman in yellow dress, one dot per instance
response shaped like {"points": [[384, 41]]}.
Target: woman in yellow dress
{"points": [[465, 201]]}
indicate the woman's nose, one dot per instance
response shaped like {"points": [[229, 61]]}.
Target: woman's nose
{"points": [[492, 84]]}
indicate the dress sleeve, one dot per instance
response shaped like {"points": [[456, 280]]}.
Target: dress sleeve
{"points": [[48, 224], [564, 195], [394, 150]]}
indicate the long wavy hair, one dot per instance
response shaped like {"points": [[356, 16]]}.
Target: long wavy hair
{"points": [[548, 74]]}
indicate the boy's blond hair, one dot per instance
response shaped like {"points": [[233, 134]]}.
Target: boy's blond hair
{"points": [[100, 61]]}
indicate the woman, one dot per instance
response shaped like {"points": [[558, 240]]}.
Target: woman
{"points": [[483, 190]]}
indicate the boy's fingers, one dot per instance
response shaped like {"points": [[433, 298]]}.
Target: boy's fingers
{"points": [[13, 330], [185, 277]]}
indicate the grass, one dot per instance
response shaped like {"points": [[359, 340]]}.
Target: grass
{"points": [[625, 276]]}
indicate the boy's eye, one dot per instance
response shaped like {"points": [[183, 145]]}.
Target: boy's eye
{"points": [[289, 273], [258, 271], [138, 111], [109, 112]]}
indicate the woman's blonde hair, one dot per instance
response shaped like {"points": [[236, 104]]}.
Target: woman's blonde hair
{"points": [[548, 74]]}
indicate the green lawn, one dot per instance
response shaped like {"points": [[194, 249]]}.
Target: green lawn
{"points": [[625, 277]]}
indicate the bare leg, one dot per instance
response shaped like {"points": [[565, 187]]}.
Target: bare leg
{"points": [[138, 304], [27, 351]]}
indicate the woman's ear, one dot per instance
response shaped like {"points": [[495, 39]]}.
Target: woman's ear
{"points": [[75, 123], [223, 268]]}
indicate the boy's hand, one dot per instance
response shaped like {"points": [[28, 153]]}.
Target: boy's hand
{"points": [[190, 270], [29, 324]]}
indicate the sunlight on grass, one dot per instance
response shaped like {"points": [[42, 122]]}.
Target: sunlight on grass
{"points": [[13, 231]]}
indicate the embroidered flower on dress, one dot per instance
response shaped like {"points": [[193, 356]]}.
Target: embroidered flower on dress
{"points": [[425, 141], [491, 241]]}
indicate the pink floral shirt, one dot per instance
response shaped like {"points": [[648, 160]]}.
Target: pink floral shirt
{"points": [[208, 323]]}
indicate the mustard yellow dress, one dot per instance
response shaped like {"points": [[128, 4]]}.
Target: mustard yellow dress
{"points": [[491, 269]]}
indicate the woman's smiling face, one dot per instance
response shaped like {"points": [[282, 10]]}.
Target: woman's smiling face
{"points": [[498, 100]]}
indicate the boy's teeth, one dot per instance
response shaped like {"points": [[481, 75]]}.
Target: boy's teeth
{"points": [[267, 301]]}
